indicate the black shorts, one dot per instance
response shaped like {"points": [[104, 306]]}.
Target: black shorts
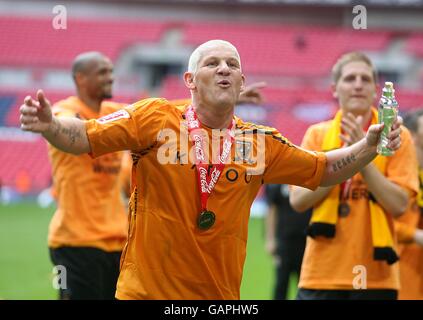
{"points": [[369, 294], [90, 273]]}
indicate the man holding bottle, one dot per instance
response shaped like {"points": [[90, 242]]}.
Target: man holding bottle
{"points": [[351, 253]]}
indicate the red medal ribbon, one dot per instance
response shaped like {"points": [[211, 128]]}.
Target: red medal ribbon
{"points": [[207, 182], [345, 189]]}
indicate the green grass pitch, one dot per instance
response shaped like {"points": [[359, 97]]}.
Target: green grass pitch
{"points": [[26, 270]]}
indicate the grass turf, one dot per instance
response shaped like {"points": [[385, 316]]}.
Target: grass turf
{"points": [[26, 270]]}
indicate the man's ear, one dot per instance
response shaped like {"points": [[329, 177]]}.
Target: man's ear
{"points": [[79, 79], [333, 88], [242, 83], [189, 80]]}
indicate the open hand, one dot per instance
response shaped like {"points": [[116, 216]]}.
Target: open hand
{"points": [[352, 128], [251, 94], [36, 115]]}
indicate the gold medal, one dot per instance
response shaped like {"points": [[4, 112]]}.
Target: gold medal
{"points": [[206, 180], [206, 219]]}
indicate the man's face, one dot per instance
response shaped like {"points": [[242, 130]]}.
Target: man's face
{"points": [[98, 79], [356, 88], [218, 79]]}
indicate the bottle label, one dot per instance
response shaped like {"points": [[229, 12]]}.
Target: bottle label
{"points": [[387, 115]]}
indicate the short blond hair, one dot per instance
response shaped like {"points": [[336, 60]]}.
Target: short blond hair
{"points": [[197, 54], [351, 57]]}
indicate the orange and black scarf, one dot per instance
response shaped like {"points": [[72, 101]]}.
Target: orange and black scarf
{"points": [[325, 214]]}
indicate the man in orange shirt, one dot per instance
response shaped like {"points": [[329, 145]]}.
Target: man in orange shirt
{"points": [[188, 214], [409, 226], [343, 258], [89, 228]]}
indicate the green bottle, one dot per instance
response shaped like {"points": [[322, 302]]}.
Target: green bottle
{"points": [[387, 113]]}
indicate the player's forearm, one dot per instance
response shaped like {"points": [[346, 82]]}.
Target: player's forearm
{"points": [[270, 223], [346, 162], [68, 135], [404, 231], [389, 195], [302, 199]]}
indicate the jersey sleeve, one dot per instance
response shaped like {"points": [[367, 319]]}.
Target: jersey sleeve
{"points": [[125, 174], [132, 128], [290, 164], [402, 167], [180, 102]]}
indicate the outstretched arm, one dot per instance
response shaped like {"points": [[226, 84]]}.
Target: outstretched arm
{"points": [[270, 230], [66, 134], [302, 199], [392, 197], [345, 162]]}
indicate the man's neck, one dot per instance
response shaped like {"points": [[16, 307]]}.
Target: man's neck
{"points": [[93, 104], [215, 118]]}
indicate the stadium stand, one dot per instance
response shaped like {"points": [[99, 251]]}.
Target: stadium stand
{"points": [[50, 47], [415, 44], [6, 103], [300, 55], [28, 157], [287, 50], [12, 117]]}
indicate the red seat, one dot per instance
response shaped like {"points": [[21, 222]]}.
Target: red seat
{"points": [[25, 156], [34, 41], [287, 50], [414, 44]]}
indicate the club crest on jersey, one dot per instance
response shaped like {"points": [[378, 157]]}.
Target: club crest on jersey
{"points": [[243, 150], [114, 116]]}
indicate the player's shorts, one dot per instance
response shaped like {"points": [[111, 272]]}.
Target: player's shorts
{"points": [[368, 294], [85, 273]]}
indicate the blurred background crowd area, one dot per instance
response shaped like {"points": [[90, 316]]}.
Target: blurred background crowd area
{"points": [[290, 44]]}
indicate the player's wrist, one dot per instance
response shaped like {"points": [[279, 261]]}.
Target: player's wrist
{"points": [[51, 128]]}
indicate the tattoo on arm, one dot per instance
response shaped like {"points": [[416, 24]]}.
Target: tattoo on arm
{"points": [[73, 133], [344, 162]]}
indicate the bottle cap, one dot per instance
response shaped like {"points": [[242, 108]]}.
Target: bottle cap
{"points": [[389, 89], [389, 85]]}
